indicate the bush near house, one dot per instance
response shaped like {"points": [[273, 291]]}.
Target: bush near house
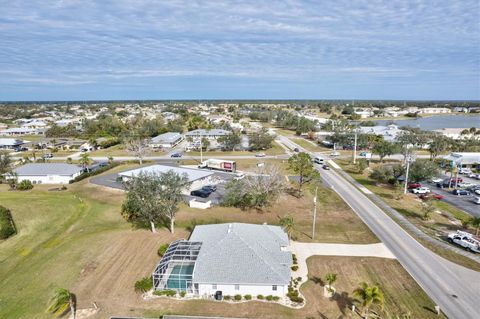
{"points": [[25, 185], [260, 297], [227, 297], [247, 297], [7, 227], [161, 251], [93, 173], [294, 267], [238, 297], [168, 293], [144, 285], [269, 297], [182, 294]]}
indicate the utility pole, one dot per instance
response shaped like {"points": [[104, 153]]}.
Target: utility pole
{"points": [[409, 158], [314, 212], [355, 147]]}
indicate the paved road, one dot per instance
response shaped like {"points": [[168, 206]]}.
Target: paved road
{"points": [[455, 288]]}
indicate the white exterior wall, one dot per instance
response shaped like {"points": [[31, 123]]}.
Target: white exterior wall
{"points": [[207, 290], [48, 179]]}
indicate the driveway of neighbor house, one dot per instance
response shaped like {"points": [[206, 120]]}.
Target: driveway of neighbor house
{"points": [[305, 250]]}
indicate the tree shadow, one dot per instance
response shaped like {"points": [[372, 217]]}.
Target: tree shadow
{"points": [[317, 280], [343, 301]]}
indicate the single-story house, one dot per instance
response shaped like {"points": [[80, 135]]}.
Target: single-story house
{"points": [[389, 132], [209, 134], [20, 131], [227, 259], [196, 177], [462, 159], [47, 173], [10, 143], [166, 140]]}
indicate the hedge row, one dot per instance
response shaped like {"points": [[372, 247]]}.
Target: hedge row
{"points": [[95, 172], [7, 227]]}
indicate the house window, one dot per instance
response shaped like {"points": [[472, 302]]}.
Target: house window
{"points": [[274, 287], [237, 287], [214, 286]]}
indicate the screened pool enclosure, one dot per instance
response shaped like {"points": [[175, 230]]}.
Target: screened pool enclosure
{"points": [[175, 270]]}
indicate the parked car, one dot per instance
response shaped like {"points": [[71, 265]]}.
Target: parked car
{"points": [[318, 160], [296, 149], [465, 170], [427, 196], [260, 155], [466, 240], [209, 188], [461, 192], [455, 180], [414, 185], [476, 200], [465, 184], [477, 191], [200, 193], [472, 175], [421, 190], [436, 180], [326, 167], [49, 155], [334, 153], [176, 155]]}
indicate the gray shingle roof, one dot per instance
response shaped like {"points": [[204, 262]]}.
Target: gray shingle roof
{"points": [[169, 137], [193, 174], [10, 142], [38, 169], [240, 253]]}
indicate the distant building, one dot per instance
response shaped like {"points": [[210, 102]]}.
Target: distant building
{"points": [[18, 131], [210, 134], [227, 259], [462, 159], [456, 133], [389, 132], [10, 143], [47, 173], [166, 140]]}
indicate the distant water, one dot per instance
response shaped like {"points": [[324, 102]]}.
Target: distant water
{"points": [[437, 122]]}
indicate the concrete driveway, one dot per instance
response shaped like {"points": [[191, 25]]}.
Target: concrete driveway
{"points": [[305, 250]]}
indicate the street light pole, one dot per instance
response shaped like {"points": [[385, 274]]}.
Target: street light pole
{"points": [[314, 212]]}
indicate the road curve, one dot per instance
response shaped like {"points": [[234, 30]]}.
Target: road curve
{"points": [[454, 288]]}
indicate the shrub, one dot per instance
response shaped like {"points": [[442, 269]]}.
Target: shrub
{"points": [[168, 293], [296, 299], [93, 173], [144, 285], [247, 297], [269, 297], [227, 297], [294, 258], [260, 297], [238, 297], [7, 227], [294, 267], [182, 293], [161, 251], [276, 298], [25, 185]]}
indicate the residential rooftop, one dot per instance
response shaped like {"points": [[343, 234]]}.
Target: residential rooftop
{"points": [[192, 174], [40, 169]]}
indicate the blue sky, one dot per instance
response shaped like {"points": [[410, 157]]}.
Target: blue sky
{"points": [[339, 49]]}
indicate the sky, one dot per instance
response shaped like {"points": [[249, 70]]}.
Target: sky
{"points": [[253, 49]]}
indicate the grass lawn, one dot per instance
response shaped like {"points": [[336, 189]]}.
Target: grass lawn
{"points": [[119, 150], [447, 218], [77, 239], [311, 146]]}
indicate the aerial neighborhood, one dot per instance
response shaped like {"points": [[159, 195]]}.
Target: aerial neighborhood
{"points": [[232, 203]]}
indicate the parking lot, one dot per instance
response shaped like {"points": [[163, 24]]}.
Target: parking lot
{"points": [[464, 202]]}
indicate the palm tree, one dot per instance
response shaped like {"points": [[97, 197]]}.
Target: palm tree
{"points": [[330, 278], [475, 222], [61, 301], [288, 224], [85, 160], [369, 295]]}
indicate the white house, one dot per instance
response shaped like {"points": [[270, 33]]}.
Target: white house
{"points": [[196, 177], [229, 259], [166, 140], [463, 159], [47, 173], [389, 132], [209, 134], [10, 143]]}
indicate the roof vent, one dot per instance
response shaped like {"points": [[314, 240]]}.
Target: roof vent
{"points": [[229, 228]]}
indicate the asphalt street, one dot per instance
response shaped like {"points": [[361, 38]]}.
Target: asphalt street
{"points": [[454, 288]]}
